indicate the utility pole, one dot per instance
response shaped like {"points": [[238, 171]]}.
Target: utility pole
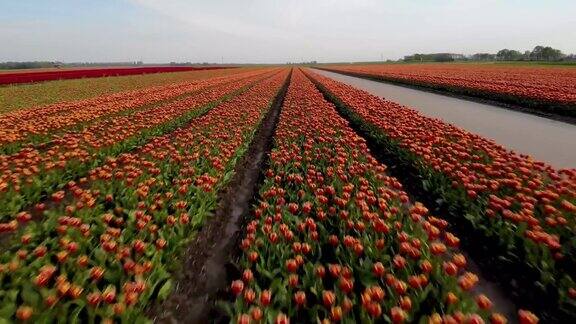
{"points": [[222, 59]]}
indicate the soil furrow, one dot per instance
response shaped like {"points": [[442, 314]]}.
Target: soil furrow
{"points": [[207, 261]]}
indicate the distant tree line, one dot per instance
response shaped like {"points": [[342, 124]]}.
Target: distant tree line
{"points": [[27, 65], [539, 53], [191, 63], [434, 57]]}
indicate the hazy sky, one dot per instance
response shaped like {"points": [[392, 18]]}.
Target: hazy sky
{"points": [[271, 31]]}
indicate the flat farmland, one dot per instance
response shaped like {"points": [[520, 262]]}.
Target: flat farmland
{"points": [[39, 94], [274, 194]]}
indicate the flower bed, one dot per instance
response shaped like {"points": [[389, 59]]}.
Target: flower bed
{"points": [[523, 207], [105, 246], [333, 238]]}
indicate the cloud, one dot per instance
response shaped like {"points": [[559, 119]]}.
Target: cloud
{"points": [[272, 31], [228, 18]]}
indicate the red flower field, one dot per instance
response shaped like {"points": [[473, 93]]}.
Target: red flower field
{"points": [[65, 74]]}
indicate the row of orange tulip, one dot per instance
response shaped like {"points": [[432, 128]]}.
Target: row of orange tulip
{"points": [[105, 246], [47, 121], [334, 239], [31, 173]]}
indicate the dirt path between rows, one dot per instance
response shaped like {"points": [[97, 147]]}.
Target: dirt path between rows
{"points": [[208, 260]]}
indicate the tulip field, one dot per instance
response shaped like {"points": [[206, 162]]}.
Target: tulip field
{"points": [[336, 239], [24, 96], [363, 210], [540, 89], [98, 210]]}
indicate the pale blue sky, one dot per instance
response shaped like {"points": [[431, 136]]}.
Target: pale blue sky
{"points": [[271, 31]]}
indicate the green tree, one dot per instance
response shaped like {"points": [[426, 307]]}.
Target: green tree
{"points": [[508, 55], [546, 53]]}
